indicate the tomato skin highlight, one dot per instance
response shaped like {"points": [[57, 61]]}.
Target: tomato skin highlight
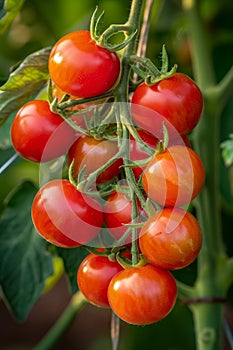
{"points": [[174, 177], [178, 99], [93, 278], [142, 295], [80, 67], [171, 239], [38, 134], [64, 216], [93, 153]]}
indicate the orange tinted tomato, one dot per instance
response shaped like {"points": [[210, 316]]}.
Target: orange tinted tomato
{"points": [[174, 177], [142, 295], [92, 153], [171, 238]]}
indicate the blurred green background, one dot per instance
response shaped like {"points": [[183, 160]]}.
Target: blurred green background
{"points": [[40, 24]]}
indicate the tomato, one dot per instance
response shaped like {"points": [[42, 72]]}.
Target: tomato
{"points": [[93, 278], [80, 67], [117, 212], [178, 99], [171, 238], [136, 153], [93, 153], [64, 216], [142, 295], [174, 177], [40, 135]]}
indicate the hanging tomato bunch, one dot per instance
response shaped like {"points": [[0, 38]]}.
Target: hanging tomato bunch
{"points": [[131, 172]]}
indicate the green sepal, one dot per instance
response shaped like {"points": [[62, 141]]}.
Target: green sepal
{"points": [[148, 71], [103, 39]]}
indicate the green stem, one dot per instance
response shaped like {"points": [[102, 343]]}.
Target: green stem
{"points": [[201, 53], [133, 23], [54, 335], [73, 103], [212, 258], [223, 89], [208, 326]]}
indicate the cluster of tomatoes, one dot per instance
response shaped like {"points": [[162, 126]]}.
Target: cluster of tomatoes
{"points": [[148, 230]]}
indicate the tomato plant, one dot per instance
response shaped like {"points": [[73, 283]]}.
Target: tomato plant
{"points": [[38, 134], [171, 238], [64, 216], [94, 153], [93, 278], [142, 295], [174, 177], [80, 67], [123, 192], [177, 98]]}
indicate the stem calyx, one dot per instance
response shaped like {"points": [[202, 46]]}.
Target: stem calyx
{"points": [[149, 72]]}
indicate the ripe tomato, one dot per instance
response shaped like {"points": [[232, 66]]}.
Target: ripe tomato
{"points": [[40, 135], [117, 212], [80, 67], [93, 153], [171, 238], [64, 216], [93, 278], [174, 177], [178, 99], [136, 153], [142, 295]]}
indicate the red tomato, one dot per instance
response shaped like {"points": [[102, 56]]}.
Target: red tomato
{"points": [[64, 216], [80, 67], [171, 239], [142, 295], [94, 153], [93, 278], [178, 99], [40, 135], [136, 153], [174, 177], [117, 212]]}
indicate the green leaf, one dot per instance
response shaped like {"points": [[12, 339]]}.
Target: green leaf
{"points": [[227, 151], [26, 81], [24, 261], [8, 13], [72, 258]]}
